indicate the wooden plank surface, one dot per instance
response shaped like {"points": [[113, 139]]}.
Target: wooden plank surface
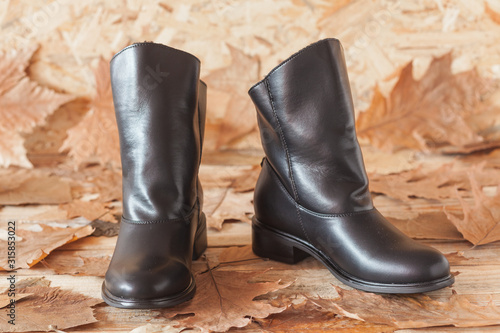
{"points": [[478, 269]]}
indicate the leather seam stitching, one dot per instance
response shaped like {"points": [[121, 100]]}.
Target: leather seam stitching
{"points": [[199, 163], [289, 161], [320, 215], [179, 219]]}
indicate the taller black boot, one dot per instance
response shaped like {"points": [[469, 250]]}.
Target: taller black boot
{"points": [[312, 196], [160, 109]]}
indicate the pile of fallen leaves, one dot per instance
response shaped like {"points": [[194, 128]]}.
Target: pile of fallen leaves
{"points": [[60, 158], [452, 115]]}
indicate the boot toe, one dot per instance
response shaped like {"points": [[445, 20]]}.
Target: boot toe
{"points": [[419, 265], [427, 265], [151, 282]]}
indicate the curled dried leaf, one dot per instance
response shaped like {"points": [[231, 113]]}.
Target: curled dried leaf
{"points": [[224, 299], [430, 114], [412, 311], [48, 307], [481, 222], [23, 104], [95, 138], [33, 246]]}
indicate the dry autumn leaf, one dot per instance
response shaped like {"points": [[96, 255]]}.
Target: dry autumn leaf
{"points": [[48, 308], [95, 138], [237, 254], [95, 183], [495, 16], [231, 207], [158, 328], [109, 183], [436, 184], [62, 262], [429, 114], [105, 228], [40, 281], [481, 223], [18, 187], [427, 225], [307, 317], [458, 258], [234, 81], [328, 8], [5, 299], [413, 311], [247, 180], [33, 246], [224, 299], [23, 105], [492, 158], [224, 174], [91, 210]]}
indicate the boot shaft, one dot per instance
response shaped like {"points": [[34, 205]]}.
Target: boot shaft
{"points": [[160, 124], [306, 119]]}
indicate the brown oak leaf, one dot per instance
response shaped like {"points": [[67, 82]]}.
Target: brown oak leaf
{"points": [[224, 299], [481, 222], [95, 138], [33, 246], [23, 105], [413, 311], [430, 114], [233, 82], [49, 308]]}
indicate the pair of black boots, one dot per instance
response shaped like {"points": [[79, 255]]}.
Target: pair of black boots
{"points": [[311, 198]]}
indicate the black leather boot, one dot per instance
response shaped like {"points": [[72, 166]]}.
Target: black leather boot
{"points": [[160, 106], [312, 196]]}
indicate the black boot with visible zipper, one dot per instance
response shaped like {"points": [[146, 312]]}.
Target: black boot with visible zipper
{"points": [[312, 197], [160, 106]]}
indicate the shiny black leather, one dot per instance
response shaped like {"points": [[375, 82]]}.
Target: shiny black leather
{"points": [[160, 107], [312, 196]]}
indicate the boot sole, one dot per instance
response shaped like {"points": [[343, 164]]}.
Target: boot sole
{"points": [[199, 246], [271, 243], [156, 303]]}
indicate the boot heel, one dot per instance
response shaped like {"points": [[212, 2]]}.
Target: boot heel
{"points": [[200, 240], [268, 244]]}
